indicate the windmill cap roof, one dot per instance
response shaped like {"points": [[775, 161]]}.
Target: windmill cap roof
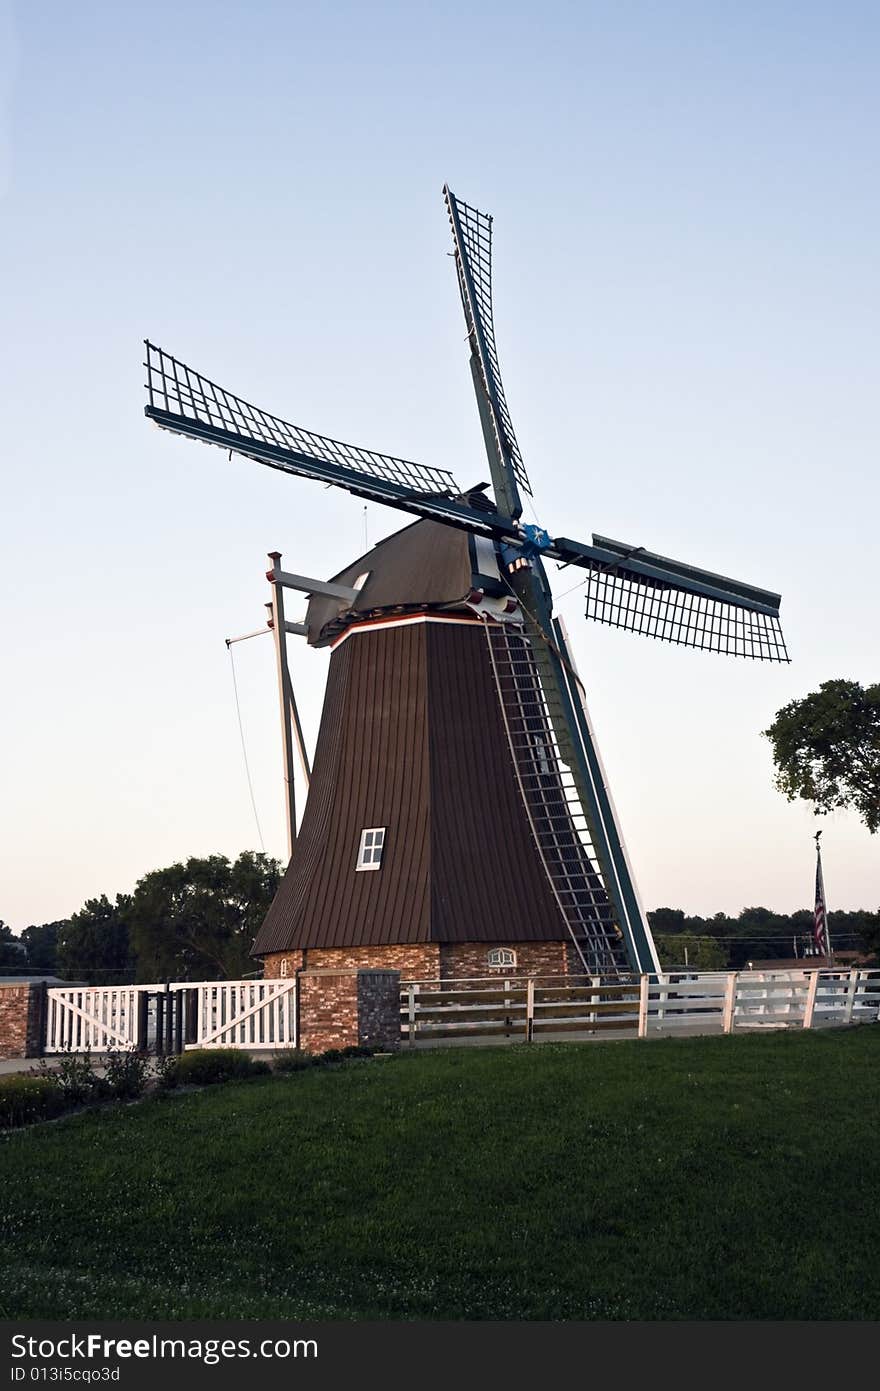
{"points": [[425, 565]]}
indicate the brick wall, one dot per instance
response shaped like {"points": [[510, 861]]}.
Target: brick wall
{"points": [[418, 961], [351, 995], [338, 1008], [460, 960], [328, 1012], [272, 965], [434, 961], [20, 1021], [379, 1008]]}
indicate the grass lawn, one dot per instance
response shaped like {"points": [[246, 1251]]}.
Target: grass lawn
{"points": [[707, 1178]]}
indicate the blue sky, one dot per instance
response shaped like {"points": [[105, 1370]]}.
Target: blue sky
{"points": [[687, 290]]}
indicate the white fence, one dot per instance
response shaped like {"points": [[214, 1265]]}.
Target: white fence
{"points": [[166, 1018], [254, 1014], [241, 1014], [91, 1020], [524, 1009]]}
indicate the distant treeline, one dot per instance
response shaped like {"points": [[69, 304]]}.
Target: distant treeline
{"points": [[756, 934], [197, 921], [192, 921]]}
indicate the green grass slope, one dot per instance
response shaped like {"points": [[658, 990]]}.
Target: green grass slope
{"points": [[706, 1178]]}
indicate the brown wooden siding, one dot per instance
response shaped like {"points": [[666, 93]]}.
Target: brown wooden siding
{"points": [[412, 739], [487, 880], [370, 769]]}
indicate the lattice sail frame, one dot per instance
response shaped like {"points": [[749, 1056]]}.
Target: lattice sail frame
{"points": [[653, 608], [473, 260], [177, 390]]}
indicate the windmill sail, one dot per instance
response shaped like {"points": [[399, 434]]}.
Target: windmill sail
{"points": [[674, 614], [182, 400], [472, 233], [648, 594]]}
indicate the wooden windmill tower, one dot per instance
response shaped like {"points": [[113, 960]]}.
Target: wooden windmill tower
{"points": [[458, 815]]}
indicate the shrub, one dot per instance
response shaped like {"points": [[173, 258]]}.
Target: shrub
{"points": [[293, 1060], [25, 1097], [203, 1066], [74, 1076], [125, 1074], [165, 1072]]}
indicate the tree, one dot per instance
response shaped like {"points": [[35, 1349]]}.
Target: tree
{"points": [[703, 954], [94, 945], [41, 942], [666, 920], [198, 920], [826, 748], [759, 934], [12, 956]]}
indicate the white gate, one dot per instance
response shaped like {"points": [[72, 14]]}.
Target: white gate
{"points": [[92, 1019], [243, 1013]]}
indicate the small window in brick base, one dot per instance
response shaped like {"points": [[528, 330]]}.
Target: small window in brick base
{"points": [[371, 847], [285, 967], [502, 956]]}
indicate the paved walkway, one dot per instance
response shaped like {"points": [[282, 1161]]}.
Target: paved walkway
{"points": [[19, 1064]]}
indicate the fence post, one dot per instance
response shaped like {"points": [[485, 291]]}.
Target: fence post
{"points": [[179, 1002], [160, 1018], [729, 1002], [664, 994], [595, 981], [851, 988], [190, 1007], [169, 1020], [811, 1000], [411, 1013], [42, 1018], [530, 1009], [643, 1007], [141, 1041]]}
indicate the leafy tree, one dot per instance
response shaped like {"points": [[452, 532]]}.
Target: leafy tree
{"points": [[826, 748], [198, 920], [703, 953], [859, 929], [12, 956], [759, 934], [666, 920], [41, 942], [94, 944]]}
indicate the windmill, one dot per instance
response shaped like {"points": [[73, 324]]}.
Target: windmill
{"points": [[460, 683]]}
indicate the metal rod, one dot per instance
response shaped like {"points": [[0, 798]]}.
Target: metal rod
{"points": [[300, 741], [297, 629], [257, 633], [285, 695], [309, 586]]}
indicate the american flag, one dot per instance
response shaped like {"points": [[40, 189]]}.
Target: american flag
{"points": [[820, 921]]}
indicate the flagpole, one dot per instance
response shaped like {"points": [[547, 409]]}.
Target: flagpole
{"points": [[821, 934]]}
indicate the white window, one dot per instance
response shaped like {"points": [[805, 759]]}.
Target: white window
{"points": [[372, 845], [502, 956], [285, 966]]}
